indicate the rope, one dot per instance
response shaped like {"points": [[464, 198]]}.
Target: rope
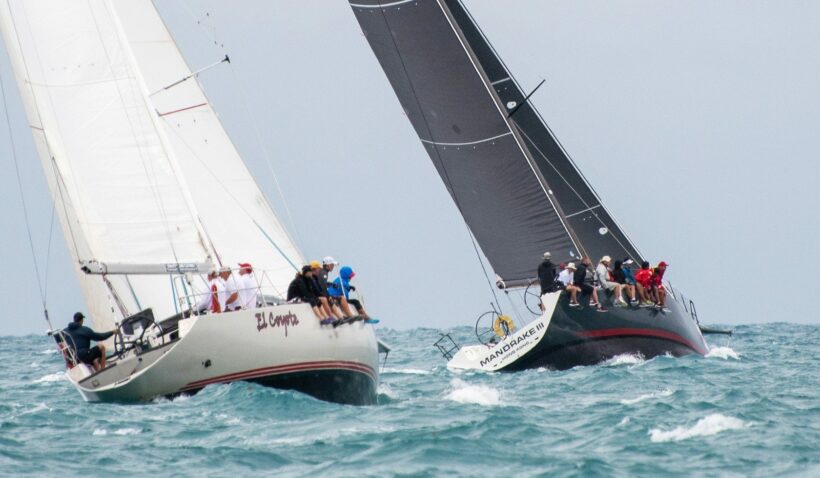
{"points": [[40, 287]]}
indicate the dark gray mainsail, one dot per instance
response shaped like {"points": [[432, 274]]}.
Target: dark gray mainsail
{"points": [[515, 186]]}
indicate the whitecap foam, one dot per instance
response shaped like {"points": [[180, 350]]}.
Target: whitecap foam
{"points": [[625, 359], [478, 394], [49, 351], [99, 432], [128, 431], [39, 408], [709, 425], [623, 421], [384, 389], [724, 353], [409, 371], [52, 377], [660, 393]]}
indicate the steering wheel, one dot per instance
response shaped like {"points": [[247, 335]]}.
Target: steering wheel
{"points": [[121, 345], [484, 327], [532, 298]]}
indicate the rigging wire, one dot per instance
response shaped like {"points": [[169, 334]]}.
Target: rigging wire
{"points": [[40, 287], [209, 31], [557, 142], [440, 161]]}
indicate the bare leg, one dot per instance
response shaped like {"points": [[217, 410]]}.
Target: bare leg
{"points": [[573, 294], [595, 296], [102, 356], [326, 308], [346, 307], [319, 312], [630, 290]]}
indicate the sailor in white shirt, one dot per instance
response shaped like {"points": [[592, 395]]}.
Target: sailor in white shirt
{"points": [[247, 286], [214, 299], [565, 276], [231, 289]]}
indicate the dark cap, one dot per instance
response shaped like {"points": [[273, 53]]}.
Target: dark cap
{"points": [[306, 269], [78, 316]]}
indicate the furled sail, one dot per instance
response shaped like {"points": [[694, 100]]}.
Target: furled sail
{"points": [[141, 180], [516, 187]]}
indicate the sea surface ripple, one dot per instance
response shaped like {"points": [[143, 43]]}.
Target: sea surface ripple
{"points": [[750, 408]]}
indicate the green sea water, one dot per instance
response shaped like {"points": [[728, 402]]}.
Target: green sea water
{"points": [[750, 408]]}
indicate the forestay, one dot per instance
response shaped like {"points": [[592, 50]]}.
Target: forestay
{"points": [[518, 191], [138, 178]]}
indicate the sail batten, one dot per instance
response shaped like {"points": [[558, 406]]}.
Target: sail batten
{"points": [[521, 198]]}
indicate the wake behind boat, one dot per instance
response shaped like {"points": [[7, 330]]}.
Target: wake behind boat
{"points": [[518, 190], [151, 194]]}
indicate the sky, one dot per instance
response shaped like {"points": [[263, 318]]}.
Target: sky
{"points": [[695, 122]]}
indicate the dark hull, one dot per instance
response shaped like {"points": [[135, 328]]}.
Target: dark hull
{"points": [[582, 336], [346, 387]]}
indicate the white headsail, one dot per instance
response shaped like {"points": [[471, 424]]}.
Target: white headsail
{"points": [[143, 177]]}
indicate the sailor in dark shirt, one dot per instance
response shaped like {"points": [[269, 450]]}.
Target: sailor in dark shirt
{"points": [[546, 274], [580, 280], [79, 338], [303, 288]]}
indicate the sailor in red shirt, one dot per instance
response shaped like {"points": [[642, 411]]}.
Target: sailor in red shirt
{"points": [[657, 285], [643, 279]]}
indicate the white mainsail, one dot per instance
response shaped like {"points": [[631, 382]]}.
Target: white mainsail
{"points": [[142, 176]]}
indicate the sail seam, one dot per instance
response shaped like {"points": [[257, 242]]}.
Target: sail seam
{"points": [[447, 14], [447, 180], [470, 143], [582, 211], [385, 5]]}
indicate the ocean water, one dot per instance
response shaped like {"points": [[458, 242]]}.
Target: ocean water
{"points": [[750, 408]]}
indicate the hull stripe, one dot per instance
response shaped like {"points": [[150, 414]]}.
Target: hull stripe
{"points": [[282, 369], [626, 332]]}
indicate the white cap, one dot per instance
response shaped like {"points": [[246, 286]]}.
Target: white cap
{"points": [[606, 259], [225, 269], [571, 265], [547, 255], [329, 260]]}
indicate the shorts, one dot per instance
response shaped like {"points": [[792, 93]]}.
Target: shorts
{"points": [[585, 288], [88, 356]]}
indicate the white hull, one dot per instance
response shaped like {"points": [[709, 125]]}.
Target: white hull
{"points": [[282, 346], [512, 347]]}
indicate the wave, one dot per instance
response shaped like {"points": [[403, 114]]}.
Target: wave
{"points": [[710, 425], [49, 351], [477, 394], [384, 389], [624, 359], [409, 371], [659, 394], [52, 377], [723, 353], [119, 431]]}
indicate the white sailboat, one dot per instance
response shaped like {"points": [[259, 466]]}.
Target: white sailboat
{"points": [[151, 193]]}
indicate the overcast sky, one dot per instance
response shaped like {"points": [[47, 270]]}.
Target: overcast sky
{"points": [[696, 122]]}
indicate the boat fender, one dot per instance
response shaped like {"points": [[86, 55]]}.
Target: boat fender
{"points": [[503, 326]]}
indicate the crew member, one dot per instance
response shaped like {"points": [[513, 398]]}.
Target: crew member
{"points": [[231, 289], [79, 339], [546, 274], [247, 286]]}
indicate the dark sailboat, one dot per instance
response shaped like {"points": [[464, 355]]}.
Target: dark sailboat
{"points": [[516, 187]]}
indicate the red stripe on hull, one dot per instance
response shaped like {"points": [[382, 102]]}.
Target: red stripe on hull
{"points": [[661, 334], [282, 369]]}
